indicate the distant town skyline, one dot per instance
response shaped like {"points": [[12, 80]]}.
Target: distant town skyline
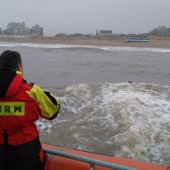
{"points": [[20, 28], [94, 32], [14, 28], [86, 16]]}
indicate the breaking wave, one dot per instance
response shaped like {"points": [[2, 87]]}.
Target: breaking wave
{"points": [[106, 48], [130, 120]]}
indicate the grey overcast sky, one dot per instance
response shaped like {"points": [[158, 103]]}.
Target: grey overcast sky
{"points": [[86, 16]]}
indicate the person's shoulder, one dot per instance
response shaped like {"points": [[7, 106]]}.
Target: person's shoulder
{"points": [[31, 84], [34, 88], [27, 86]]}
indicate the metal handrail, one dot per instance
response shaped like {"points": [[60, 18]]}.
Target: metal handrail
{"points": [[92, 162]]}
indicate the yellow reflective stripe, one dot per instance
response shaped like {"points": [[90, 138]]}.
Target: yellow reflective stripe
{"points": [[47, 107], [12, 108]]}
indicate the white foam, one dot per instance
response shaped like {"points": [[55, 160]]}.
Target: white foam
{"points": [[161, 50], [145, 112], [106, 48], [129, 120]]}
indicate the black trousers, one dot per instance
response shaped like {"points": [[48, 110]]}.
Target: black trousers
{"points": [[28, 156]]}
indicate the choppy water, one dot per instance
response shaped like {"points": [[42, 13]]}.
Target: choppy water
{"points": [[101, 112]]}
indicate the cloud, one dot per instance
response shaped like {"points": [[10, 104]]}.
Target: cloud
{"points": [[70, 16]]}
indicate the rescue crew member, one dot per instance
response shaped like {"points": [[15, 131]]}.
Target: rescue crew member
{"points": [[21, 104]]}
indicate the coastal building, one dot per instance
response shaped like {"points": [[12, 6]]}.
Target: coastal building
{"points": [[77, 35], [15, 28], [107, 33], [168, 31], [160, 31], [37, 31], [27, 31], [97, 33]]}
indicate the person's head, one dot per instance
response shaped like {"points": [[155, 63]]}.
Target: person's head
{"points": [[11, 60]]}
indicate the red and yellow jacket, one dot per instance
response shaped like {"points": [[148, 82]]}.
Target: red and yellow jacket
{"points": [[21, 104]]}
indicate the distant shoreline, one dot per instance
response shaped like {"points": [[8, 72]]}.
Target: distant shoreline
{"points": [[156, 42]]}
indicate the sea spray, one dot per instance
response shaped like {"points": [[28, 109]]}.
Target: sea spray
{"points": [[127, 119]]}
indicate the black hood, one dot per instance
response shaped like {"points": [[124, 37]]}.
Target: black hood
{"points": [[6, 77]]}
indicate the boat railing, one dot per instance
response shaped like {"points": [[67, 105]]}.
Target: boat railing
{"points": [[91, 161]]}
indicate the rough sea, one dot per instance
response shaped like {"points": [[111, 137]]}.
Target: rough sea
{"points": [[115, 100]]}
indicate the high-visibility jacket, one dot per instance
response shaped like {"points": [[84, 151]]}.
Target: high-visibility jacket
{"points": [[21, 104]]}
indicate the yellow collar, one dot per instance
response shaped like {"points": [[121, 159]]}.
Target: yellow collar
{"points": [[19, 73]]}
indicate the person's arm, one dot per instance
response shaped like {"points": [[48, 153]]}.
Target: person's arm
{"points": [[49, 105]]}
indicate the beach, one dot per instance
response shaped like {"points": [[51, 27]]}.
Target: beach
{"points": [[156, 42]]}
